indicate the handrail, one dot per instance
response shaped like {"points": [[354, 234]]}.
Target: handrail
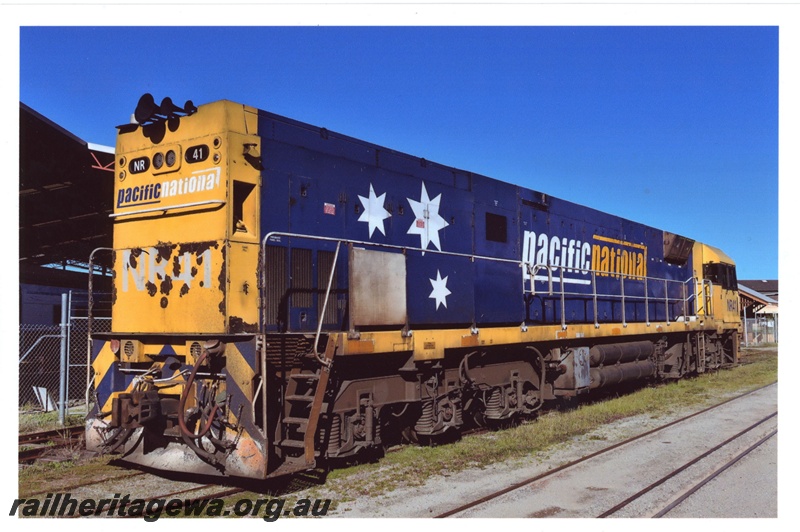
{"points": [[274, 234], [283, 234], [90, 322], [321, 359], [168, 208], [534, 269]]}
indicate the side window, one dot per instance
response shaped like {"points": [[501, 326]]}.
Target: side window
{"points": [[730, 282], [721, 274], [496, 228], [711, 272]]}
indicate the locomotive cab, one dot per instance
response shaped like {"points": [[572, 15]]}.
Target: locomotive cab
{"points": [[718, 271]]}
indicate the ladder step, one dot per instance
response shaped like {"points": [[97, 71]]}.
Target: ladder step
{"points": [[295, 421], [305, 376], [292, 466], [306, 398], [295, 444]]}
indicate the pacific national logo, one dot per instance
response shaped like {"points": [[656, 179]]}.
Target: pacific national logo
{"points": [[607, 257], [153, 193]]}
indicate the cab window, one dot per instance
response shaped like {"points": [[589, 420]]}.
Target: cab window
{"points": [[721, 274]]}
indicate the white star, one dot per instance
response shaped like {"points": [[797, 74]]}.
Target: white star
{"points": [[440, 291], [374, 212], [427, 221]]}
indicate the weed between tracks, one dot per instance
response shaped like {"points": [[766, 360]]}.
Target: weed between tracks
{"points": [[31, 421], [413, 466], [53, 476]]}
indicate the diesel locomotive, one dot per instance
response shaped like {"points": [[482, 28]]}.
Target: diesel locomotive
{"points": [[284, 295]]}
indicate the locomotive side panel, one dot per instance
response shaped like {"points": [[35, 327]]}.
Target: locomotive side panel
{"points": [[343, 188]]}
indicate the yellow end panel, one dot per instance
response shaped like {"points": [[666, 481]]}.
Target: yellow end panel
{"points": [[170, 288], [187, 195], [242, 295], [173, 181]]}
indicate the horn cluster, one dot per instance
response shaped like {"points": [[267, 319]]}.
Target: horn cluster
{"points": [[147, 112]]}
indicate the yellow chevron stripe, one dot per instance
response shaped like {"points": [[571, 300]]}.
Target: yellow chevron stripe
{"points": [[239, 370]]}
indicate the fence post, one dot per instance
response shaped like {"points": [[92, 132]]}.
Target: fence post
{"points": [[69, 344], [746, 339], [62, 389]]}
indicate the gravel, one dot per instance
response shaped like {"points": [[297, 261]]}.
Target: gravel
{"points": [[587, 490]]}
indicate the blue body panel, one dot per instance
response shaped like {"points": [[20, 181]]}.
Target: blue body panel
{"points": [[317, 182]]}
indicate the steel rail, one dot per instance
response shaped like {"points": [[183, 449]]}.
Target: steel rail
{"points": [[683, 468], [61, 438], [49, 435], [572, 463], [671, 506], [70, 487]]}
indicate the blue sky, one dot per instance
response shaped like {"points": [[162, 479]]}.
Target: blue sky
{"points": [[675, 127]]}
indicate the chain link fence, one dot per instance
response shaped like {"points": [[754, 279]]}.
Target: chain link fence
{"points": [[763, 329], [39, 366], [40, 350]]}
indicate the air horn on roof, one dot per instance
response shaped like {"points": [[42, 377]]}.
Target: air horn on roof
{"points": [[147, 112]]}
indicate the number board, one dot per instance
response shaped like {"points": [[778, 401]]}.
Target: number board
{"points": [[196, 154]]}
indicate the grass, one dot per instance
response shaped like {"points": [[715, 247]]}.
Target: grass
{"points": [[413, 466], [53, 476], [38, 421]]}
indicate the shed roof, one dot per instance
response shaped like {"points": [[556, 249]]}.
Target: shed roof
{"points": [[66, 190], [766, 286]]}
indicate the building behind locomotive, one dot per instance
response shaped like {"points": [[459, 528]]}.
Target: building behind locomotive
{"points": [[245, 241]]}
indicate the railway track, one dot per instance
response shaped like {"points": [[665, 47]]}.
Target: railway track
{"points": [[696, 487], [549, 475], [35, 445], [675, 472]]}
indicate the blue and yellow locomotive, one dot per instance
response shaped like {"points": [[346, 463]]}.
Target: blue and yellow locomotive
{"points": [[284, 294]]}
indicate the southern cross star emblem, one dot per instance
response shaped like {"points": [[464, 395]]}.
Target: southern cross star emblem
{"points": [[440, 291], [374, 212], [427, 221]]}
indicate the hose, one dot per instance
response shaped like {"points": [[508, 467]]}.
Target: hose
{"points": [[182, 405]]}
